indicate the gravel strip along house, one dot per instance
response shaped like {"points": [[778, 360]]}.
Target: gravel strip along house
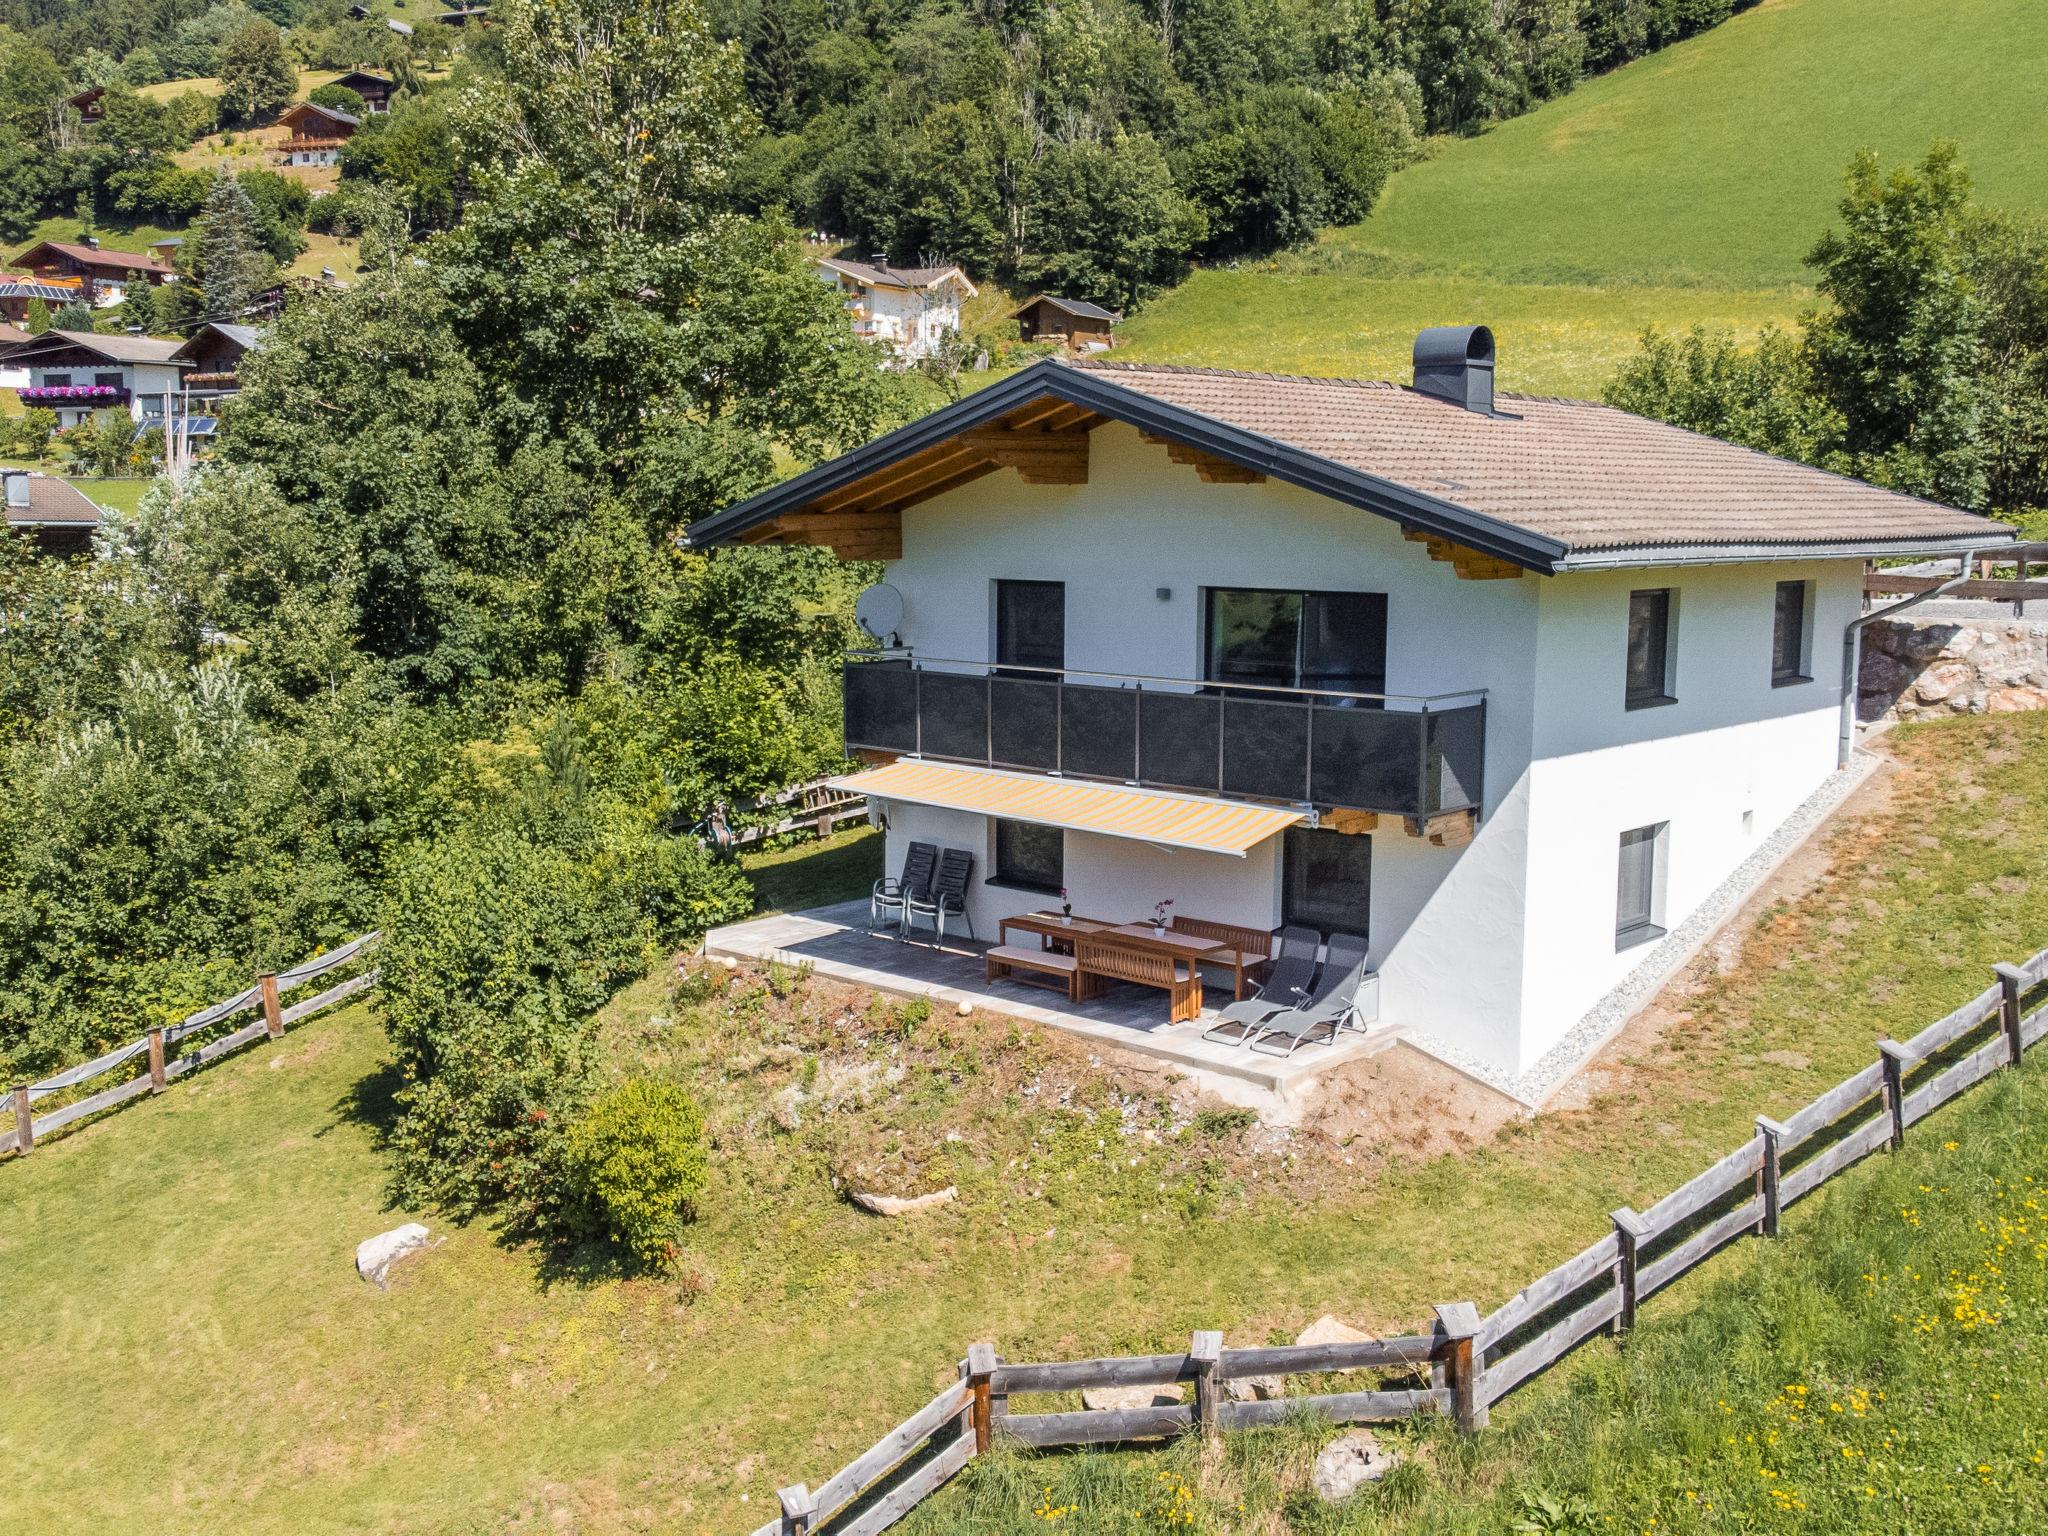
{"points": [[1512, 688]]}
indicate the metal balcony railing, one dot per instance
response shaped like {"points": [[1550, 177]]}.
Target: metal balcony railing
{"points": [[1404, 755]]}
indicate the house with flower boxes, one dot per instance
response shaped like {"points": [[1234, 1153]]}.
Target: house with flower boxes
{"points": [[78, 374]]}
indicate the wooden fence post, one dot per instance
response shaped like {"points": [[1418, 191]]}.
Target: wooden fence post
{"points": [[981, 1366], [1458, 1322], [273, 1020], [1205, 1349], [1896, 1060], [799, 1509], [1631, 1229], [24, 1121], [1773, 1169], [156, 1060], [2011, 981]]}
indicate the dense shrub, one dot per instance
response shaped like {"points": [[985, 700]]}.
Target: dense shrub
{"points": [[636, 1166]]}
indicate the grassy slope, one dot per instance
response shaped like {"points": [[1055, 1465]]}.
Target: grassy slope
{"points": [[267, 1389], [1685, 187]]}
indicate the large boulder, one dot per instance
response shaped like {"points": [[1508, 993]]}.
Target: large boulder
{"points": [[1097, 1398], [1348, 1463], [1255, 1389], [1328, 1330], [902, 1205], [376, 1255]]}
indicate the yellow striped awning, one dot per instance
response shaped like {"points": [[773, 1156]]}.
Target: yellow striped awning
{"points": [[1113, 810]]}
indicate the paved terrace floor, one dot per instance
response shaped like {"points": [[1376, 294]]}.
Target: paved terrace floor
{"points": [[836, 942]]}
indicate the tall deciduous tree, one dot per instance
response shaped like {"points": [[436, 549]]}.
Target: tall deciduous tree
{"points": [[257, 76]]}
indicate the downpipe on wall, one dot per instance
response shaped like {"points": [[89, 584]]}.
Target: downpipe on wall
{"points": [[1852, 651]]}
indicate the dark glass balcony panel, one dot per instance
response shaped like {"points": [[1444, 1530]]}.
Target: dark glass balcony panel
{"points": [[1099, 731], [1265, 749], [955, 715], [1369, 758], [1457, 758], [881, 706], [1026, 724], [1178, 741]]}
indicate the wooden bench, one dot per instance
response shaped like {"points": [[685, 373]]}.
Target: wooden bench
{"points": [[1108, 960], [1249, 951], [1029, 965]]}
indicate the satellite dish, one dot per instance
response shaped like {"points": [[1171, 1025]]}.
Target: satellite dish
{"points": [[880, 612]]}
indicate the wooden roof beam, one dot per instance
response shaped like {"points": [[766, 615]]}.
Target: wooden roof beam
{"points": [[1211, 469], [1469, 563]]}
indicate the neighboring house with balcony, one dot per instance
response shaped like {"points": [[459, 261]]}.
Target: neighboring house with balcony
{"points": [[375, 89], [1507, 685], [80, 373], [90, 274], [910, 309], [212, 357], [314, 135]]}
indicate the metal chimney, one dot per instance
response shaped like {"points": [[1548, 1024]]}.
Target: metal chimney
{"points": [[1455, 363]]}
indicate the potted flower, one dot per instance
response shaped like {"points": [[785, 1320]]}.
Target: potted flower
{"points": [[1159, 917], [1066, 907]]}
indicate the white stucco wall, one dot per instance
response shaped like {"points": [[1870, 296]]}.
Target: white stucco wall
{"points": [[1496, 948]]}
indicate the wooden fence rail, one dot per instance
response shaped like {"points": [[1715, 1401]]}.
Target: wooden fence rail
{"points": [[1470, 1362], [264, 996]]}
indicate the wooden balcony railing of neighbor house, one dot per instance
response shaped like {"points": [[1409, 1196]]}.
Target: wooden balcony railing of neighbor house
{"points": [[1465, 1362], [1401, 755]]}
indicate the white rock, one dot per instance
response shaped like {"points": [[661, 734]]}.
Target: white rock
{"points": [[1350, 1461], [901, 1205], [1096, 1398], [966, 1008], [1327, 1330], [729, 963], [376, 1255], [1251, 1389]]}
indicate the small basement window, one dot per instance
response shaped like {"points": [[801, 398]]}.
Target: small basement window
{"points": [[1639, 887], [1791, 652], [1651, 655], [1030, 857]]}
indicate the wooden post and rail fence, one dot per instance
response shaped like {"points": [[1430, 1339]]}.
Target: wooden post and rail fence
{"points": [[24, 1126], [1466, 1362]]}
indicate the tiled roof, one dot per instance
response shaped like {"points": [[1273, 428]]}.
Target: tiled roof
{"points": [[1079, 307], [51, 500], [90, 256], [115, 349], [1589, 475], [888, 276]]}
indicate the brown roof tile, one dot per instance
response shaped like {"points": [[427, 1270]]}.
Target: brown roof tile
{"points": [[1594, 477], [51, 500]]}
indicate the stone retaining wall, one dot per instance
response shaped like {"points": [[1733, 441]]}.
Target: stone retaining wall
{"points": [[1927, 668]]}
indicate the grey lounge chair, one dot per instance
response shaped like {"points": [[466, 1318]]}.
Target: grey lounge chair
{"points": [[946, 897], [1286, 986], [1334, 1003], [886, 900]]}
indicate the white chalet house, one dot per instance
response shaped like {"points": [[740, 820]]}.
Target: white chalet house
{"points": [[910, 309], [79, 374], [1506, 685]]}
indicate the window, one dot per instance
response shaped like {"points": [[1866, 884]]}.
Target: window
{"points": [[1031, 624], [1649, 648], [1789, 656], [1330, 640], [1328, 881], [56, 381], [1639, 896], [107, 380], [1030, 856]]}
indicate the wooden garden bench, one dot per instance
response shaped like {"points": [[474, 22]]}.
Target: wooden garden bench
{"points": [[1109, 959], [1029, 965], [1246, 951]]}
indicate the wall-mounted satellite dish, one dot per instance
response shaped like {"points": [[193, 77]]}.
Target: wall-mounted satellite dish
{"points": [[880, 613]]}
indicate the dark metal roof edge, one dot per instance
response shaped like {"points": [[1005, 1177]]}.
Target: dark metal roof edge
{"points": [[1147, 412], [1625, 556]]}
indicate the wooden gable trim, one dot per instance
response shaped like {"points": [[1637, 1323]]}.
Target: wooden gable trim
{"points": [[1470, 564], [1211, 469]]}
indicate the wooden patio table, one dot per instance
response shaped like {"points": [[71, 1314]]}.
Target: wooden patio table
{"points": [[1048, 927], [1190, 947]]}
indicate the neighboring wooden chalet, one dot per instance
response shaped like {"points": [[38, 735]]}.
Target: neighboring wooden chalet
{"points": [[80, 373], [213, 355], [89, 273], [910, 309], [91, 104], [1079, 325], [56, 514], [316, 134], [19, 291], [376, 90]]}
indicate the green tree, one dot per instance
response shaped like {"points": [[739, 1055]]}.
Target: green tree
{"points": [[38, 318], [232, 264], [1108, 221], [1894, 349], [339, 97], [257, 76]]}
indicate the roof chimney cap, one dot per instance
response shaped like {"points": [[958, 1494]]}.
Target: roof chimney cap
{"points": [[17, 488], [1455, 363]]}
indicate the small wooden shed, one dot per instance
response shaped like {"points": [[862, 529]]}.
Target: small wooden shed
{"points": [[1078, 324]]}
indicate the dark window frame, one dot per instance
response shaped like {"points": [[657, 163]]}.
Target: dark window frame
{"points": [[1006, 587], [1294, 851], [1662, 660], [1800, 669], [1635, 922], [1302, 673], [1009, 875]]}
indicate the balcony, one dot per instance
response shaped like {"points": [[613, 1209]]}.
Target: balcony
{"points": [[1393, 754], [74, 395]]}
